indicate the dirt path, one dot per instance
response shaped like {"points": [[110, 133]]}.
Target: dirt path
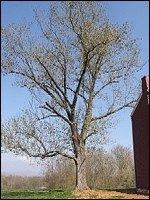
{"points": [[92, 194]]}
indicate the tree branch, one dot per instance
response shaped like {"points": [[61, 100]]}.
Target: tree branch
{"points": [[90, 134], [80, 81], [46, 154], [113, 111], [52, 79], [52, 109]]}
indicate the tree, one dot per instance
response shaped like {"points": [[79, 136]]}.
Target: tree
{"points": [[80, 70], [124, 166]]}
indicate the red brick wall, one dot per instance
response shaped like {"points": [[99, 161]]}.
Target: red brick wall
{"points": [[140, 124]]}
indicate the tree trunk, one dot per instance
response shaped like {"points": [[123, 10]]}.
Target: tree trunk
{"points": [[81, 182]]}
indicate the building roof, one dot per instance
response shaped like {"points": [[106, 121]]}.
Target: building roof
{"points": [[145, 84], [145, 90]]}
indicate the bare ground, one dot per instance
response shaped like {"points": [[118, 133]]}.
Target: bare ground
{"points": [[103, 194]]}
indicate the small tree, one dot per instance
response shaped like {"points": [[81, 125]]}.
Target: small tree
{"points": [[80, 71]]}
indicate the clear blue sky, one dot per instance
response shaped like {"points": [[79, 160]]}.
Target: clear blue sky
{"points": [[14, 99]]}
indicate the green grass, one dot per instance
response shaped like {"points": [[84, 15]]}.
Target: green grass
{"points": [[33, 194]]}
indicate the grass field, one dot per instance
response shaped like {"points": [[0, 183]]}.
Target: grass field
{"points": [[33, 194], [68, 194]]}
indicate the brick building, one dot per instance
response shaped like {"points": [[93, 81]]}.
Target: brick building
{"points": [[140, 126]]}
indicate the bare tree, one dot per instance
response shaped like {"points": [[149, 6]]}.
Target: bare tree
{"points": [[59, 174], [80, 69], [124, 166]]}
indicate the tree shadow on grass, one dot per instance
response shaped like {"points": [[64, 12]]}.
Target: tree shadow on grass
{"points": [[131, 191]]}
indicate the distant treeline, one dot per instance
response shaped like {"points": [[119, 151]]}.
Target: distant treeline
{"points": [[114, 169], [22, 182]]}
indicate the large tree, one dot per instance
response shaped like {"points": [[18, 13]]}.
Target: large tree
{"points": [[79, 68]]}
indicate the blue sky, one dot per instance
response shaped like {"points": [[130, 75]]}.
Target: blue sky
{"points": [[14, 99]]}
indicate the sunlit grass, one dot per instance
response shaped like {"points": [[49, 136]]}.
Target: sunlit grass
{"points": [[33, 194]]}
